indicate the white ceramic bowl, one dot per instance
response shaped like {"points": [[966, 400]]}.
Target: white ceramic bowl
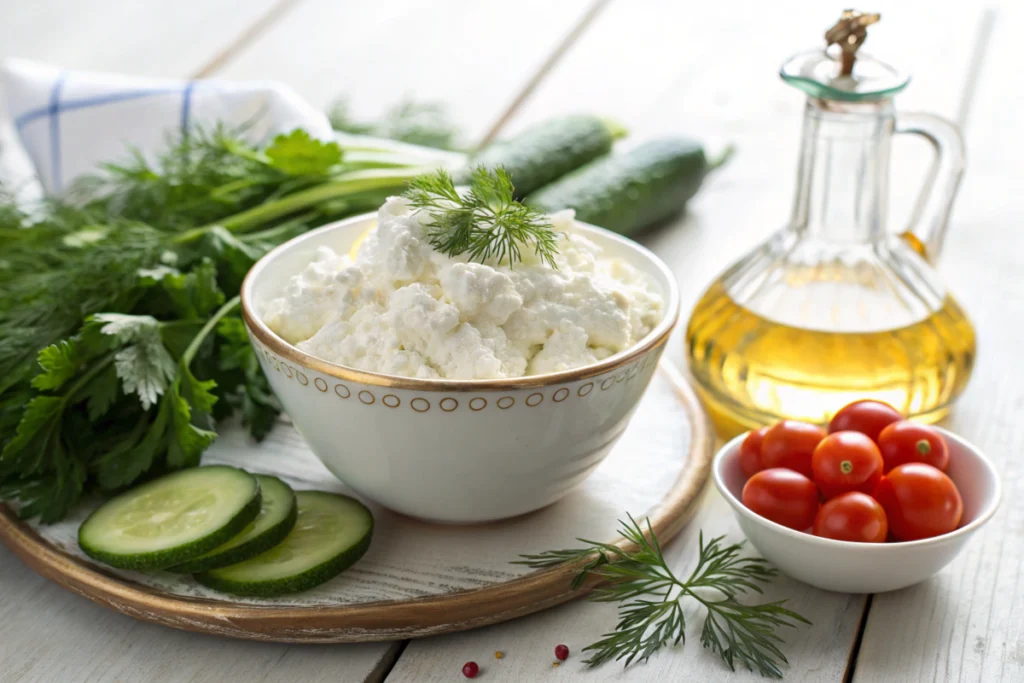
{"points": [[849, 567], [455, 451]]}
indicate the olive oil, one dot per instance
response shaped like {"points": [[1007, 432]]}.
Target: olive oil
{"points": [[751, 370], [835, 306]]}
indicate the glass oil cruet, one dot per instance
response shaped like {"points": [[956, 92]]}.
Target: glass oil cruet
{"points": [[834, 307]]}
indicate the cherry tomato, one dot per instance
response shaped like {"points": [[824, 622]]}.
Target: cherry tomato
{"points": [[750, 452], [783, 496], [905, 441], [790, 444], [920, 502], [846, 461], [852, 516], [867, 417]]}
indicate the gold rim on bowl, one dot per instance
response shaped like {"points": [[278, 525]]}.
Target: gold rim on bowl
{"points": [[655, 338]]}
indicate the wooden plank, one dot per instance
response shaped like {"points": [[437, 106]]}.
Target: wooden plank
{"points": [[816, 653], [470, 56], [47, 634], [965, 624], [709, 71], [148, 39]]}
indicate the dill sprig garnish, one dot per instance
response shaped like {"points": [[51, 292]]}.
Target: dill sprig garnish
{"points": [[651, 596], [484, 222]]}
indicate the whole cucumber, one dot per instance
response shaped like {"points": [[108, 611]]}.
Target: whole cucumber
{"points": [[547, 151], [631, 191]]}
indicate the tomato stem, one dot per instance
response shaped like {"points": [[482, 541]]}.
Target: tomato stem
{"points": [[923, 447], [846, 466]]}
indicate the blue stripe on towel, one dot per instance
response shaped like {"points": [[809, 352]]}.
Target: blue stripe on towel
{"points": [[70, 105], [186, 107], [54, 112]]}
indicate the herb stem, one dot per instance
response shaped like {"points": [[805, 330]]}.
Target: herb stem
{"points": [[193, 347], [343, 186], [234, 186], [171, 324], [279, 229]]}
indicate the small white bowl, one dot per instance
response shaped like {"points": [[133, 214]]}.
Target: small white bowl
{"points": [[456, 451], [848, 567]]}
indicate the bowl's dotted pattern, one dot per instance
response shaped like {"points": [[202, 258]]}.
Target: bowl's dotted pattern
{"points": [[449, 404]]}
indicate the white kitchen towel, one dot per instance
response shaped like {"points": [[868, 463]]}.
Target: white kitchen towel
{"points": [[70, 121]]}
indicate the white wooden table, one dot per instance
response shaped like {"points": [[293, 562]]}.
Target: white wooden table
{"points": [[708, 69]]}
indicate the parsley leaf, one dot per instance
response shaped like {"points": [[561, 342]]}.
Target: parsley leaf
{"points": [[144, 369], [143, 364], [243, 380], [235, 255], [101, 393], [187, 441], [299, 154], [40, 418], [36, 466], [135, 453], [58, 363], [189, 295]]}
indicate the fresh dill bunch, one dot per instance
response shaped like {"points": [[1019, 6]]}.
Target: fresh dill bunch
{"points": [[485, 222], [55, 274], [650, 599]]}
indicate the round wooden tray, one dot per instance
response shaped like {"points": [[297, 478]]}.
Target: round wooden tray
{"points": [[417, 579]]}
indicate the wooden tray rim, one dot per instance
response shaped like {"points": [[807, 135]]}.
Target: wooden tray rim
{"points": [[370, 621]]}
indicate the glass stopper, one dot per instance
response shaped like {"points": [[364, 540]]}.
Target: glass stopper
{"points": [[837, 71]]}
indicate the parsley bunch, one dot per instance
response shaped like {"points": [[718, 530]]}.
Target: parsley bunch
{"points": [[121, 342]]}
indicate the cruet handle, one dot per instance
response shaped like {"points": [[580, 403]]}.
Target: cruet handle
{"points": [[930, 217]]}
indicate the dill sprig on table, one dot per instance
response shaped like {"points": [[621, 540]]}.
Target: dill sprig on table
{"points": [[484, 222], [650, 598]]}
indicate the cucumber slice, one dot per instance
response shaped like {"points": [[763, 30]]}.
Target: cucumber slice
{"points": [[331, 533], [276, 518], [171, 519]]}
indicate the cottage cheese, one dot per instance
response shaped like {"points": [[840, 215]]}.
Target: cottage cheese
{"points": [[402, 308]]}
